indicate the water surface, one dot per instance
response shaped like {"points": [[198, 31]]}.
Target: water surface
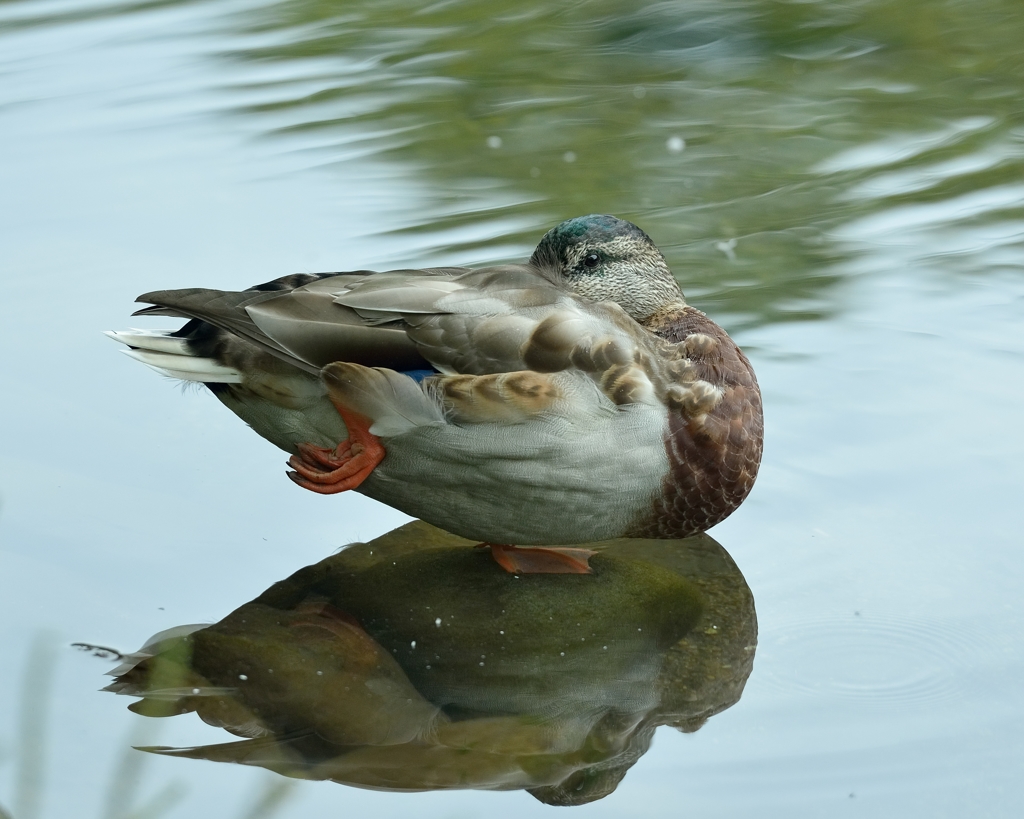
{"points": [[839, 185]]}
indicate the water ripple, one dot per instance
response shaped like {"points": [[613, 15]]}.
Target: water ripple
{"points": [[886, 661]]}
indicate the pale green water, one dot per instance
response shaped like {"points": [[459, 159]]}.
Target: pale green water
{"points": [[841, 186]]}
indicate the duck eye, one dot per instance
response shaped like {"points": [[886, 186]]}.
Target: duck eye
{"points": [[592, 260]]}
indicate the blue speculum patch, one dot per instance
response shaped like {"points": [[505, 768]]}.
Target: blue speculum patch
{"points": [[419, 375]]}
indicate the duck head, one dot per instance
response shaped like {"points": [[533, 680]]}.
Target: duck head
{"points": [[603, 258]]}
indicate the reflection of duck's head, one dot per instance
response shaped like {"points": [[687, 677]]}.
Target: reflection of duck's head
{"points": [[414, 662], [603, 258]]}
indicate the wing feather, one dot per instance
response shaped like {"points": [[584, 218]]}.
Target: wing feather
{"points": [[502, 319]]}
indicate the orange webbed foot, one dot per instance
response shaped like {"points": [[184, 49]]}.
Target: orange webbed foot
{"points": [[541, 559], [327, 471]]}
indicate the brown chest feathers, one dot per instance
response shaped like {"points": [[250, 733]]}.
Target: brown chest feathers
{"points": [[714, 454]]}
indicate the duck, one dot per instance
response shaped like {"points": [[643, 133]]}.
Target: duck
{"points": [[573, 398]]}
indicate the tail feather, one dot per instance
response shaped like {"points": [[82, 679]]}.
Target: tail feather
{"points": [[187, 368], [284, 754], [305, 328], [159, 341], [223, 309]]}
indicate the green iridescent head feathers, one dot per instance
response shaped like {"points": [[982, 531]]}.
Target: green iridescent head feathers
{"points": [[603, 258]]}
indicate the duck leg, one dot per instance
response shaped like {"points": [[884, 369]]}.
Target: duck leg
{"points": [[327, 471], [541, 559]]}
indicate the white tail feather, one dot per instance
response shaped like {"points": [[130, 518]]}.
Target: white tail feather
{"points": [[159, 341], [170, 356], [187, 368]]}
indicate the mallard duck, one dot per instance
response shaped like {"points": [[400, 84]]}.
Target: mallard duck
{"points": [[573, 398]]}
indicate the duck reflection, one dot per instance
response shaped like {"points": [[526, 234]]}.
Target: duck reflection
{"points": [[414, 662]]}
